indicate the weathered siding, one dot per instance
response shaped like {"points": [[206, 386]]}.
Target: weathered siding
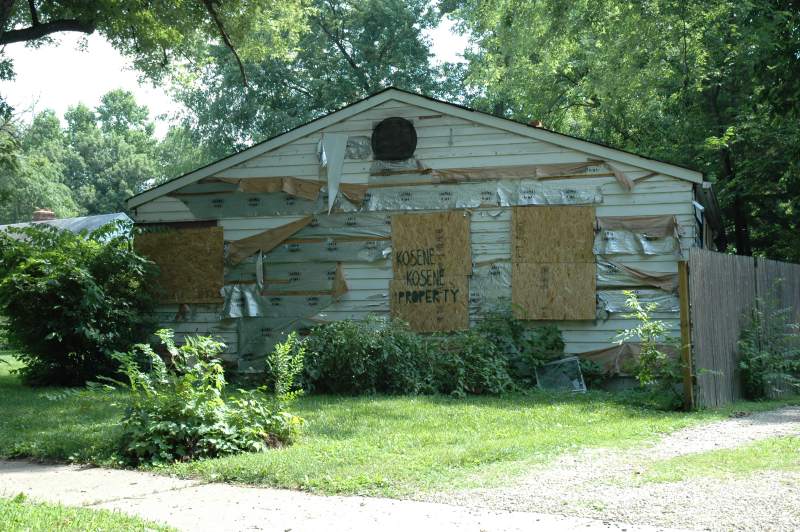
{"points": [[444, 142]]}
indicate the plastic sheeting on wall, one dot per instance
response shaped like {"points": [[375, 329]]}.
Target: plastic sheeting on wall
{"points": [[490, 287], [333, 147], [330, 250], [294, 277], [482, 194], [621, 242], [611, 273], [247, 301], [356, 224], [614, 301]]}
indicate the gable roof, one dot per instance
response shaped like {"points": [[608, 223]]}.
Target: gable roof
{"points": [[537, 133]]}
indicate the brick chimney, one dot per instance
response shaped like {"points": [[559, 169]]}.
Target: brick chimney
{"points": [[43, 214]]}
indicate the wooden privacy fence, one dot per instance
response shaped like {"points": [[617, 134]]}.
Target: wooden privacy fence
{"points": [[720, 291]]}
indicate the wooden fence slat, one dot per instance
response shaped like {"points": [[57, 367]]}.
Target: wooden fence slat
{"points": [[722, 291]]}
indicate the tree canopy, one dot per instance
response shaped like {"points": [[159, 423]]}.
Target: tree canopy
{"points": [[712, 84], [352, 48], [91, 163], [156, 35]]}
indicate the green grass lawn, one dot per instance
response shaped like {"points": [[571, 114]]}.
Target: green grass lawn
{"points": [[19, 514], [770, 454], [367, 445]]}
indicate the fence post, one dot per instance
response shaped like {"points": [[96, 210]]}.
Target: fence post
{"points": [[686, 335]]}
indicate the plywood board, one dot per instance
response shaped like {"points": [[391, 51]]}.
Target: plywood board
{"points": [[431, 260], [432, 309], [553, 291], [190, 262], [544, 233], [429, 246]]}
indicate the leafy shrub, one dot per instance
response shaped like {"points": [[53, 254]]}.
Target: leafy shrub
{"points": [[525, 348], [471, 363], [379, 356], [371, 356], [769, 349], [283, 366], [178, 410], [71, 300], [655, 369], [594, 375]]}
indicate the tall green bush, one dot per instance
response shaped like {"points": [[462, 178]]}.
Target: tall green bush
{"points": [[470, 363], [71, 300], [379, 356], [371, 356], [657, 369], [179, 409], [769, 349]]}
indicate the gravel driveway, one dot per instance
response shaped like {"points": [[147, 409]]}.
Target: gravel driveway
{"points": [[604, 483]]}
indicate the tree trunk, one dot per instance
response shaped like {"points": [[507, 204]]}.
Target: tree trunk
{"points": [[740, 219]]}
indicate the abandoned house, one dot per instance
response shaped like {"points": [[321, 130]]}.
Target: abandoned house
{"points": [[407, 206]]}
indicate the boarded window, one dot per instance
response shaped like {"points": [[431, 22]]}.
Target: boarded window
{"points": [[190, 262], [553, 272], [431, 261]]}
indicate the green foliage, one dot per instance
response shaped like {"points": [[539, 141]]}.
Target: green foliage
{"points": [[377, 445], [594, 375], [769, 349], [92, 163], [178, 410], [376, 356], [283, 367], [71, 300], [352, 49], [371, 356], [655, 368], [156, 36], [526, 348], [470, 363], [710, 84]]}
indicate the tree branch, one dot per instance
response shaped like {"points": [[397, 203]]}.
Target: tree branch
{"points": [[34, 13], [37, 31], [225, 37], [338, 43]]}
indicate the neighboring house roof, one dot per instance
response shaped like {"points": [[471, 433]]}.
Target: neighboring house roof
{"points": [[391, 93], [76, 225]]}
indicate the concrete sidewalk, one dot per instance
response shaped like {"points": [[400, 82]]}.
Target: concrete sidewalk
{"points": [[193, 505]]}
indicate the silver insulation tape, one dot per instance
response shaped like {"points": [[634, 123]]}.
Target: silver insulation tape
{"points": [[247, 301], [490, 288], [614, 301], [356, 224], [622, 242], [330, 250]]}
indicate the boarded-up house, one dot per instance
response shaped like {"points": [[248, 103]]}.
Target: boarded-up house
{"points": [[426, 210]]}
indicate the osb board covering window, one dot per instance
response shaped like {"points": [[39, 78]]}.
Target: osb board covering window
{"points": [[190, 262], [553, 273], [554, 290], [440, 238], [431, 261], [553, 234]]}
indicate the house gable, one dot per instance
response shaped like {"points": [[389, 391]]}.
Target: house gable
{"points": [[449, 136]]}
